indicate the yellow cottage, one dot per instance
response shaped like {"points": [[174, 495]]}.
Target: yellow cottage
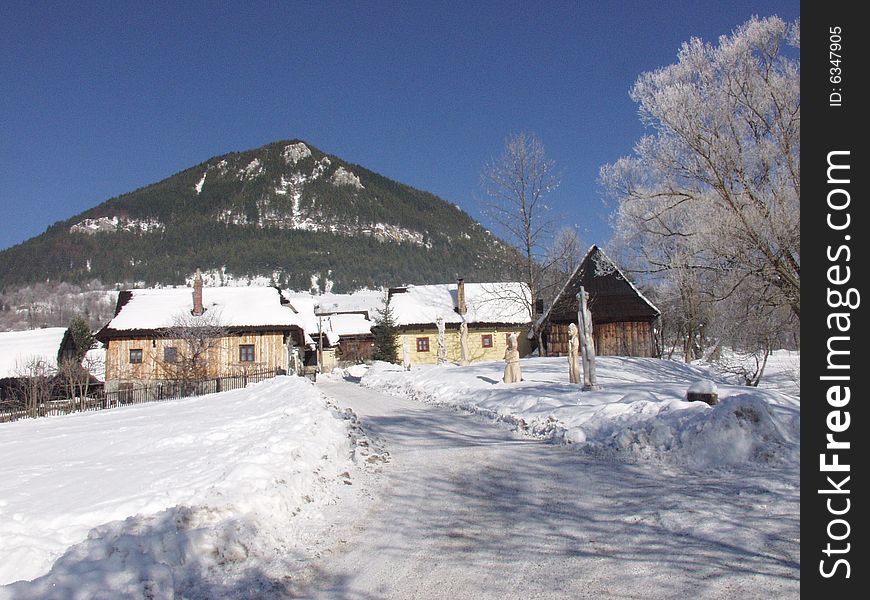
{"points": [[491, 311]]}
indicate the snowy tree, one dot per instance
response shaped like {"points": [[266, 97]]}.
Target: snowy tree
{"points": [[713, 193]]}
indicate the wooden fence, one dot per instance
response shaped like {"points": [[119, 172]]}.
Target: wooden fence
{"points": [[156, 391]]}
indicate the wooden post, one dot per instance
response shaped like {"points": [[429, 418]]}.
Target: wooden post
{"points": [[587, 345], [406, 353], [442, 341], [319, 344]]}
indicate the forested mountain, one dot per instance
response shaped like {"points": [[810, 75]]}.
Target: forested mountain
{"points": [[286, 211]]}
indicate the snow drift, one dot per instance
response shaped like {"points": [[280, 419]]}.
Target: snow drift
{"points": [[169, 499], [640, 412]]}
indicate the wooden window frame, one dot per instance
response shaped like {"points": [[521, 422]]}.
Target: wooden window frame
{"points": [[486, 337], [170, 354], [136, 356], [247, 353], [423, 344]]}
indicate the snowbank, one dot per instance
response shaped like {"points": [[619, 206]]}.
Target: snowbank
{"points": [[639, 413], [164, 498]]}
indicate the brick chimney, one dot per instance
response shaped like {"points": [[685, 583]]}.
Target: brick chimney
{"points": [[460, 296], [197, 295]]}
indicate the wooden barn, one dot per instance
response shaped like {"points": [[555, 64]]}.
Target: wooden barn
{"points": [[623, 320], [354, 332]]}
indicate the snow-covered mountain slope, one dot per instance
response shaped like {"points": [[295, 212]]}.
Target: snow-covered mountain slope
{"points": [[286, 210]]}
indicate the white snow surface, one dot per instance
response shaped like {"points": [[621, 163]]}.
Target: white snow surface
{"points": [[200, 183], [371, 301], [221, 278], [348, 324], [113, 224], [234, 306], [17, 348], [305, 304], [342, 176], [251, 170], [293, 153], [703, 386], [640, 412], [167, 499], [486, 302]]}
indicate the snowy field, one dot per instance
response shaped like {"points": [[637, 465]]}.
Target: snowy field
{"points": [[187, 498], [231, 495], [640, 411]]}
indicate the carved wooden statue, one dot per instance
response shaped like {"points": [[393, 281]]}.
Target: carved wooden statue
{"points": [[463, 344], [574, 374], [512, 373]]}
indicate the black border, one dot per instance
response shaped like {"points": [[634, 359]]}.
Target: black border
{"points": [[827, 128]]}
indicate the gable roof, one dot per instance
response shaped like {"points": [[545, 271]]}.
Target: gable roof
{"points": [[613, 297], [488, 303], [17, 348], [368, 301], [348, 324], [306, 305], [236, 308]]}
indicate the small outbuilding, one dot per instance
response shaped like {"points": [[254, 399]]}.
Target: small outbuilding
{"points": [[354, 332], [623, 319]]}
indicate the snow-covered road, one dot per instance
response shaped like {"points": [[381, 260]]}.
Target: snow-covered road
{"points": [[468, 509]]}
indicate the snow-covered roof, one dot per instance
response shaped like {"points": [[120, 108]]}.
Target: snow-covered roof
{"points": [[338, 314], [305, 305], [147, 309], [370, 301], [19, 347], [583, 266], [348, 324], [506, 302]]}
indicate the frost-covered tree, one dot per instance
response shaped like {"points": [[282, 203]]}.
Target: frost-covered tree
{"points": [[714, 189]]}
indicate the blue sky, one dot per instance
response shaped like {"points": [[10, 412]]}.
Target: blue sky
{"points": [[100, 98]]}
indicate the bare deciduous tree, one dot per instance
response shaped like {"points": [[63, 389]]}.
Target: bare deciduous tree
{"points": [[516, 184], [565, 254], [194, 339], [33, 383], [76, 380]]}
